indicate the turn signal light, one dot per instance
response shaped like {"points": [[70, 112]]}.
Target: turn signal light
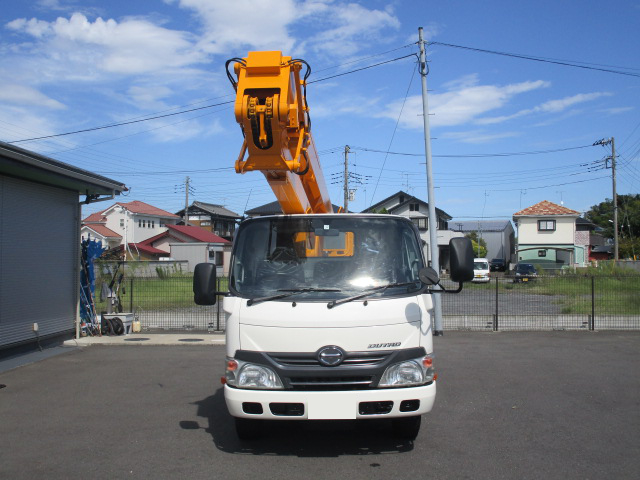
{"points": [[232, 365]]}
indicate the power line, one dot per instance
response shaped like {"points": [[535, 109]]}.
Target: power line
{"points": [[540, 59], [362, 68], [473, 155], [111, 125], [145, 119]]}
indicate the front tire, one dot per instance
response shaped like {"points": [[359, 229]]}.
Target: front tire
{"points": [[406, 428]]}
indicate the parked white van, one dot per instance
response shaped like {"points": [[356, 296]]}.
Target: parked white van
{"points": [[480, 270]]}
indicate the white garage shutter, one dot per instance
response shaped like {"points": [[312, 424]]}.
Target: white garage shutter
{"points": [[38, 260]]}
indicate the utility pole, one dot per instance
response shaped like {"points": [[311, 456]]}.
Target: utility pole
{"points": [[434, 252], [616, 257], [346, 178], [186, 200], [612, 142]]}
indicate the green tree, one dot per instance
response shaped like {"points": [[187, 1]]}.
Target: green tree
{"points": [[479, 244], [628, 222]]}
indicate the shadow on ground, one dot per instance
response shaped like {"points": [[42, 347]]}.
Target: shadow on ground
{"points": [[302, 439]]}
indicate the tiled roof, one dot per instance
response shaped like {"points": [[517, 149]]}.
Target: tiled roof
{"points": [[197, 233], [144, 208], [147, 249], [273, 208], [546, 207], [96, 217], [104, 231], [211, 208]]}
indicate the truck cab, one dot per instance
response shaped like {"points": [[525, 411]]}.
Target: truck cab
{"points": [[328, 316]]}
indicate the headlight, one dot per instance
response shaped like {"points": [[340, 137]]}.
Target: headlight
{"points": [[249, 375], [409, 373]]}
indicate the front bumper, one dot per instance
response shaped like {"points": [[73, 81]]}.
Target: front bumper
{"points": [[330, 405]]}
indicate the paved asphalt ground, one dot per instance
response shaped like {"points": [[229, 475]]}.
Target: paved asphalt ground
{"points": [[551, 405]]}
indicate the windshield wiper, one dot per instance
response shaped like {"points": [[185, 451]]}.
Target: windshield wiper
{"points": [[287, 293], [369, 291]]}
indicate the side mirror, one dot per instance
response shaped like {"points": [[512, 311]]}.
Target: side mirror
{"points": [[204, 284], [428, 276], [461, 259]]}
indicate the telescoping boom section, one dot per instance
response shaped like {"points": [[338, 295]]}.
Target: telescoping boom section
{"points": [[272, 111]]}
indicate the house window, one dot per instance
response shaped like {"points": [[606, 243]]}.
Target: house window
{"points": [[546, 225], [140, 223], [414, 207], [122, 223], [205, 224], [153, 224], [421, 222], [542, 253]]}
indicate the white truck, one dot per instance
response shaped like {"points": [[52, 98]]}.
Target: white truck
{"points": [[328, 315]]}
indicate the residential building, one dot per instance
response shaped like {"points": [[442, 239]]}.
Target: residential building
{"points": [[214, 218], [499, 236], [39, 248], [548, 236], [134, 221], [403, 204], [100, 233], [185, 243], [272, 208]]}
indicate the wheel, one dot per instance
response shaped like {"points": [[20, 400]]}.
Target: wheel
{"points": [[406, 428], [247, 428]]}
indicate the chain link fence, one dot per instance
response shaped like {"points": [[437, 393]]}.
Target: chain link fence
{"points": [[163, 300], [563, 302]]}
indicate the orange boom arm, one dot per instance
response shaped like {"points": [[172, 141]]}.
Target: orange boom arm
{"points": [[272, 111]]}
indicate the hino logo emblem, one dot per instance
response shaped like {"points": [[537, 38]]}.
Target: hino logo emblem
{"points": [[330, 356]]}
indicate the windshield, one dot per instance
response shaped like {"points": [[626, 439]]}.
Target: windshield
{"points": [[325, 257], [525, 268], [480, 265]]}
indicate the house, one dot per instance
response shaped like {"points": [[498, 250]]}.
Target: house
{"points": [[548, 236], [39, 248], [417, 210], [499, 236], [272, 208], [133, 221], [587, 235], [100, 233], [186, 243], [214, 218]]}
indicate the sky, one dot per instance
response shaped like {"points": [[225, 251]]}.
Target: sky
{"points": [[506, 132]]}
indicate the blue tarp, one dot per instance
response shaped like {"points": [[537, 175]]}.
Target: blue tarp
{"points": [[91, 249]]}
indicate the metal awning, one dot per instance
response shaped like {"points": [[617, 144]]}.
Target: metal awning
{"points": [[24, 164]]}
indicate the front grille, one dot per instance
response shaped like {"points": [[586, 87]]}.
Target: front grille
{"points": [[365, 359], [331, 383]]}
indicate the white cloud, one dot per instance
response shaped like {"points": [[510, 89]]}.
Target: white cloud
{"points": [[131, 46], [462, 104], [551, 106], [230, 25], [17, 123], [477, 136], [241, 25], [354, 25], [25, 95], [616, 110]]}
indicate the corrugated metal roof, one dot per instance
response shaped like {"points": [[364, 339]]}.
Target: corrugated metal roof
{"points": [[480, 225]]}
